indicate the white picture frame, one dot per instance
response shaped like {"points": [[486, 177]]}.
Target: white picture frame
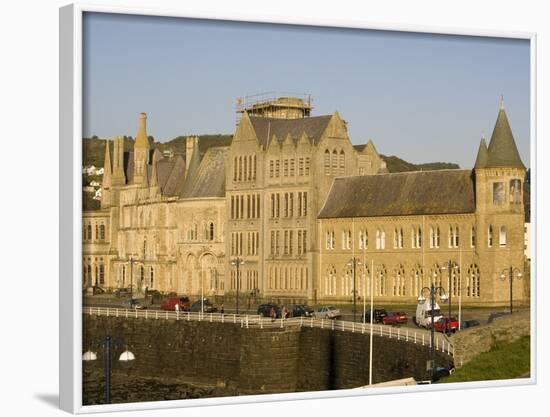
{"points": [[70, 293]]}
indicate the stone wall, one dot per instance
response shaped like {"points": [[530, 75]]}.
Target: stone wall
{"points": [[471, 342], [254, 360]]}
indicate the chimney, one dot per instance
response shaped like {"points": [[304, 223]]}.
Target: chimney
{"points": [[141, 138]]}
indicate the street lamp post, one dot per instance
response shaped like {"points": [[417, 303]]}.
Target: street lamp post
{"points": [[508, 273], [353, 263], [237, 262], [443, 297], [126, 356], [450, 266]]}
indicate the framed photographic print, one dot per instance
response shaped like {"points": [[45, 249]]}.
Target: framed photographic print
{"points": [[259, 211]]}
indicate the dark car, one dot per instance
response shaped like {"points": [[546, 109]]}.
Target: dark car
{"points": [[378, 314], [133, 304], [122, 292], [469, 323], [207, 307], [302, 310], [264, 310], [395, 318]]}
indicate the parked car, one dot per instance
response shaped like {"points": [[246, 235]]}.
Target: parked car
{"points": [[328, 312], [395, 318], [133, 304], [207, 306], [446, 325], [469, 323], [378, 315], [264, 310], [302, 310], [170, 303]]}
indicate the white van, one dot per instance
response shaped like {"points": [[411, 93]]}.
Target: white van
{"points": [[424, 314]]}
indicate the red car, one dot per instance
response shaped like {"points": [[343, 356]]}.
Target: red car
{"points": [[395, 318], [446, 325], [170, 303]]}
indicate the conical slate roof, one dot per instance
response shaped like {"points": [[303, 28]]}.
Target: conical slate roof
{"points": [[482, 155], [502, 151]]}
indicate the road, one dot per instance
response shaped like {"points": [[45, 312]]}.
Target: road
{"points": [[468, 313]]}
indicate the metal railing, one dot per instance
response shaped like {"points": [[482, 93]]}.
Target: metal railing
{"points": [[417, 336]]}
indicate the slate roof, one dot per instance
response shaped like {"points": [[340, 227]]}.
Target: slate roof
{"points": [[266, 127], [502, 150], [482, 155], [209, 179], [401, 194]]}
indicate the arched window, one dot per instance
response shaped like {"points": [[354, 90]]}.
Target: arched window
{"points": [[502, 236], [381, 280], [436, 275], [330, 281], [398, 238], [334, 162], [240, 168], [455, 280], [211, 234], [399, 281], [417, 278], [327, 162], [342, 162], [473, 283], [363, 239]]}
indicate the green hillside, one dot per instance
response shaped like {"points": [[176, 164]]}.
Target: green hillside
{"points": [[396, 164]]}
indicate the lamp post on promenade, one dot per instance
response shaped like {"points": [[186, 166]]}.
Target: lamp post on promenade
{"points": [[237, 262], [510, 273], [433, 291], [126, 356], [353, 263], [450, 266]]}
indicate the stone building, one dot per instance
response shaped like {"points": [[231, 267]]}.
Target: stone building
{"points": [[459, 229], [292, 198]]}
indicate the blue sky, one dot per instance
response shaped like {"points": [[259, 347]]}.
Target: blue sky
{"points": [[421, 97]]}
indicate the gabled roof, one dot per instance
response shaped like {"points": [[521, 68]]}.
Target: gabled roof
{"points": [[401, 194], [266, 127], [208, 180], [502, 150]]}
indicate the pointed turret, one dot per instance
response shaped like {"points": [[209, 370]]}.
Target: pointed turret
{"points": [[118, 177], [502, 150], [481, 160], [107, 171]]}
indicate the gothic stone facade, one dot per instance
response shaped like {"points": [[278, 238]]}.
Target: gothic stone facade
{"points": [[296, 201]]}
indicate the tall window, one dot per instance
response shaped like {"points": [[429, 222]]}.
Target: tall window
{"points": [[308, 162], [271, 168], [327, 162], [398, 238], [101, 274], [277, 168], [399, 281], [285, 168], [291, 205], [363, 239], [240, 168], [473, 237], [515, 191], [341, 164], [334, 162], [380, 239], [235, 163], [453, 236], [502, 236], [434, 237], [151, 277], [292, 161], [490, 236], [346, 239], [473, 283], [499, 193], [301, 167], [102, 232], [416, 237], [211, 231], [381, 280]]}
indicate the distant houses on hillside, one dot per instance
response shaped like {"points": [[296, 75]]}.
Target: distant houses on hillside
{"points": [[92, 170]]}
